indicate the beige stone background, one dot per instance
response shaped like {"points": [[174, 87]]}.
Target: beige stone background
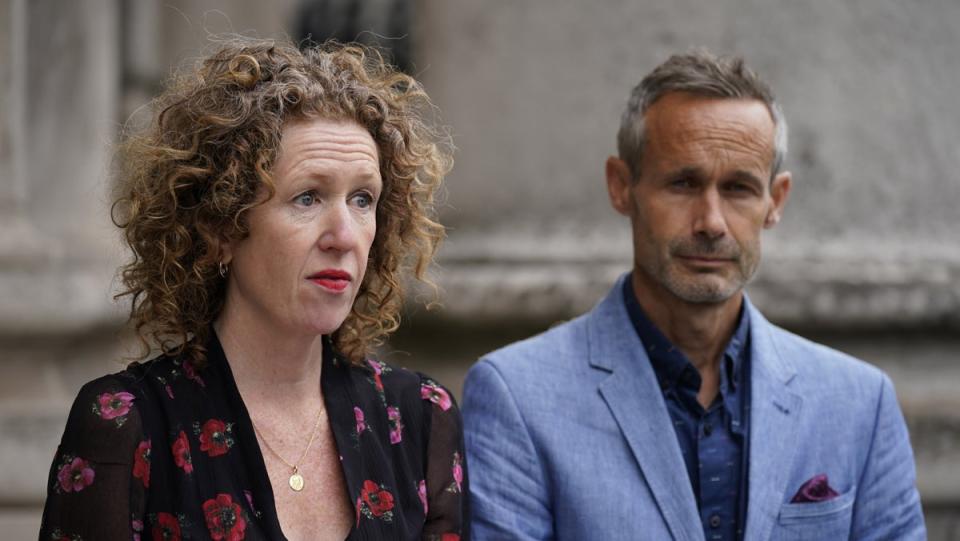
{"points": [[866, 260]]}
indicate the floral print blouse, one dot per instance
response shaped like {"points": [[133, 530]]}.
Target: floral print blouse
{"points": [[167, 451]]}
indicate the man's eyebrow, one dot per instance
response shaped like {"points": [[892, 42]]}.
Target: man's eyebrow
{"points": [[746, 176], [689, 172]]}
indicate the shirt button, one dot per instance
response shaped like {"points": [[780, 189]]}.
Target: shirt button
{"points": [[715, 521], [707, 429]]}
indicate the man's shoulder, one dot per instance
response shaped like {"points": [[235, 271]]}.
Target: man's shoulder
{"points": [[824, 367], [551, 348]]}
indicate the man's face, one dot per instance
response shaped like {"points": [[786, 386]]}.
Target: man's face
{"points": [[702, 197]]}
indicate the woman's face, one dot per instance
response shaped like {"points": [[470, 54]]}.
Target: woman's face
{"points": [[302, 264]]}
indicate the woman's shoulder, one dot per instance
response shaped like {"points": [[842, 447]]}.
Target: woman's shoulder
{"points": [[141, 385], [396, 381], [104, 421], [111, 397]]}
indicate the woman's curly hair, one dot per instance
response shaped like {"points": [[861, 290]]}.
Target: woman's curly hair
{"points": [[186, 182]]}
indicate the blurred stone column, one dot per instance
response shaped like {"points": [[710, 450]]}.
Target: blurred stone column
{"points": [[58, 100], [15, 239]]}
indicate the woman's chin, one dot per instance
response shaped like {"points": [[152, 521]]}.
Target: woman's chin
{"points": [[322, 326]]}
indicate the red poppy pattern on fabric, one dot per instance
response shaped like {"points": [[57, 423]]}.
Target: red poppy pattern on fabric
{"points": [[113, 407], [137, 526], [216, 436], [74, 475], [359, 507], [181, 453], [249, 496], [396, 424], [361, 423], [378, 369], [141, 463], [376, 501], [166, 385], [433, 392], [58, 535], [422, 493], [457, 472], [224, 518], [166, 527], [191, 373]]}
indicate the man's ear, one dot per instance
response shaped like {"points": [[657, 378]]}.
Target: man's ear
{"points": [[619, 182], [779, 193]]}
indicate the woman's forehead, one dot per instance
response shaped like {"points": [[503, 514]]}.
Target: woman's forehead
{"points": [[323, 142]]}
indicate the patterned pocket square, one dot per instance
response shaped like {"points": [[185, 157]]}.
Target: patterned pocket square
{"points": [[817, 489]]}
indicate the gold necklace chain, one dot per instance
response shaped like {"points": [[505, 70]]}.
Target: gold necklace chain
{"points": [[296, 480]]}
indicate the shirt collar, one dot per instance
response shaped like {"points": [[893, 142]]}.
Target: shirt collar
{"points": [[670, 365]]}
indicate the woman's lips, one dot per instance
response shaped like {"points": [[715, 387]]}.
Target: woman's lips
{"points": [[332, 279]]}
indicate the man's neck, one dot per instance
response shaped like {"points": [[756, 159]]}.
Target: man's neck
{"points": [[700, 331]]}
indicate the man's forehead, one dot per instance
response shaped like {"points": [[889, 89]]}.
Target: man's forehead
{"points": [[693, 110], [681, 116]]}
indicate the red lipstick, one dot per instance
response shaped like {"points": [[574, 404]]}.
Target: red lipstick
{"points": [[335, 280]]}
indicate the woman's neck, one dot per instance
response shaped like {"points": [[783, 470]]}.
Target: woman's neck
{"points": [[267, 364]]}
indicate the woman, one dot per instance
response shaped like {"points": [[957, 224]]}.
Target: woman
{"points": [[273, 208]]}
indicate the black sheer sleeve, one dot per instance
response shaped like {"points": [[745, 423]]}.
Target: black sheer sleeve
{"points": [[100, 471], [446, 483]]}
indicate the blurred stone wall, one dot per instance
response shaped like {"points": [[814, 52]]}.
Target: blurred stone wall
{"points": [[865, 259]]}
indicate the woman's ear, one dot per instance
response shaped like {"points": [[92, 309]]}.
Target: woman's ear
{"points": [[226, 253], [224, 250]]}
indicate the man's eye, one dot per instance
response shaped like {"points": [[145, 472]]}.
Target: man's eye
{"points": [[306, 199], [681, 183], [739, 187]]}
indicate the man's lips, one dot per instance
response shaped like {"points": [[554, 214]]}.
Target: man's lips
{"points": [[706, 260], [332, 279]]}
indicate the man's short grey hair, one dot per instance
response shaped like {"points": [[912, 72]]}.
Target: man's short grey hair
{"points": [[703, 74]]}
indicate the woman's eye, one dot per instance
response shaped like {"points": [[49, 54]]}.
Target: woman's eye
{"points": [[363, 200], [306, 199]]}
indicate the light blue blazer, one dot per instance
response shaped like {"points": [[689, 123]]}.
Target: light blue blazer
{"points": [[568, 437]]}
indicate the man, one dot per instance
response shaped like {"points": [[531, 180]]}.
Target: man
{"points": [[674, 410]]}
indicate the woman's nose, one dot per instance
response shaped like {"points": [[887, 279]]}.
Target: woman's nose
{"points": [[338, 228]]}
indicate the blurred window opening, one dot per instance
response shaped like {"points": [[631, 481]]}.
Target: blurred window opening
{"points": [[384, 24]]}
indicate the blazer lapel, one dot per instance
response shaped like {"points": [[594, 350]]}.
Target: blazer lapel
{"points": [[774, 416], [635, 400]]}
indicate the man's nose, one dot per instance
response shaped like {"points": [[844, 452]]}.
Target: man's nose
{"points": [[709, 220], [338, 228]]}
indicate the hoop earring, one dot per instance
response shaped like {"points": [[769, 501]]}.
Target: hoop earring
{"points": [[222, 269]]}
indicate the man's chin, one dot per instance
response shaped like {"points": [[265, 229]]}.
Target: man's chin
{"points": [[703, 292]]}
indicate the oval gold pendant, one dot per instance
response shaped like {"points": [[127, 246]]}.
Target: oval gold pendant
{"points": [[296, 482]]}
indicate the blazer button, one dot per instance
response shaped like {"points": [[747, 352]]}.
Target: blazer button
{"points": [[715, 521]]}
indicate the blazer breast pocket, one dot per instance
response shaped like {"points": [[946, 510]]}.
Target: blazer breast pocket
{"points": [[817, 520]]}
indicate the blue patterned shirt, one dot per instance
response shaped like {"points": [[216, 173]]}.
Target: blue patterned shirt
{"points": [[713, 441]]}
